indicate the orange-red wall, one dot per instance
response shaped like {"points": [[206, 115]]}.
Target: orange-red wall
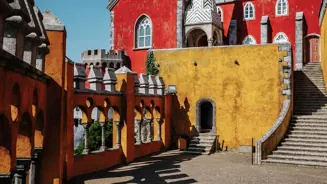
{"points": [[163, 17]]}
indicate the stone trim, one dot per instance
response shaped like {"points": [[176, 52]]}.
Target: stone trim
{"points": [[322, 11], [299, 40], [198, 114], [264, 29], [11, 63], [179, 22], [286, 77], [112, 4]]}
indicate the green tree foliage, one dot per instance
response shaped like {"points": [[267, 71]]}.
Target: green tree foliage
{"points": [[151, 68], [94, 137]]}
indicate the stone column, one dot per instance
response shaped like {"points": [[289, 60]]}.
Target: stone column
{"points": [[158, 138], [264, 29], [210, 41], [29, 48], [103, 137], [138, 136], [32, 172], [232, 32], [11, 29], [118, 141], [148, 125], [42, 50], [86, 144], [299, 41], [18, 178]]}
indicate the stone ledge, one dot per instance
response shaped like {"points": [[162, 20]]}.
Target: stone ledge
{"points": [[92, 92], [11, 63]]}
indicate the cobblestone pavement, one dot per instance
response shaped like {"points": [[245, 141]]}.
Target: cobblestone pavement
{"points": [[220, 168]]}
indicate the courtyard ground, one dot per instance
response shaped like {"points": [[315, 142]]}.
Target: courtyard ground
{"points": [[220, 168]]}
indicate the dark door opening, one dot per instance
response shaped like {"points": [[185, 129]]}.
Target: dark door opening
{"points": [[206, 116]]}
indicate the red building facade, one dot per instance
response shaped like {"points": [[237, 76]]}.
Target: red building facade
{"points": [[242, 22]]}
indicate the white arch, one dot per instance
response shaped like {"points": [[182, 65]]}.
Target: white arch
{"points": [[249, 40], [280, 38], [139, 22], [249, 11], [221, 13], [281, 8]]}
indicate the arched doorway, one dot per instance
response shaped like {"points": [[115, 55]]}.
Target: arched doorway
{"points": [[206, 116], [197, 38], [312, 48]]}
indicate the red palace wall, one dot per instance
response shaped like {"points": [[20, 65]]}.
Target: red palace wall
{"points": [[163, 17], [278, 24]]}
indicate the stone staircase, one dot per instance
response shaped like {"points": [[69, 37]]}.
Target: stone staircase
{"points": [[202, 144], [306, 140]]}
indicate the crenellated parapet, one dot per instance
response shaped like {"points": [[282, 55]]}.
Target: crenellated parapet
{"points": [[23, 34], [99, 57], [144, 85]]}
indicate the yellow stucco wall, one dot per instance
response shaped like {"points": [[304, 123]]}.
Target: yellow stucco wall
{"points": [[323, 42], [247, 95]]}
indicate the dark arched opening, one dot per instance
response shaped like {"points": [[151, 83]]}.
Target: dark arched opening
{"points": [[206, 116]]}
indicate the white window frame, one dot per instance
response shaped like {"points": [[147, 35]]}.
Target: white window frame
{"points": [[281, 5], [249, 37], [278, 35], [221, 13], [249, 5], [137, 26]]}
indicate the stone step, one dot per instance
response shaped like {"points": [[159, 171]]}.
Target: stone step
{"points": [[200, 144], [304, 144], [197, 149], [299, 158], [317, 117], [306, 140], [307, 136], [310, 110], [296, 132], [195, 152], [299, 153], [301, 148], [309, 113], [295, 162], [309, 124], [309, 128], [294, 120]]}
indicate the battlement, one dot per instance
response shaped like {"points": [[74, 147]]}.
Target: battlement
{"points": [[144, 85], [99, 57], [30, 45]]}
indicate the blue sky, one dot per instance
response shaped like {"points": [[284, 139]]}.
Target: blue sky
{"points": [[87, 23]]}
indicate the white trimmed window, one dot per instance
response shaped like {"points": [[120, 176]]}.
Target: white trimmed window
{"points": [[281, 38], [220, 13], [249, 40], [143, 33], [249, 11], [281, 7]]}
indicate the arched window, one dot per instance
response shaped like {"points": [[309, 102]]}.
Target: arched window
{"points": [[281, 7], [249, 40], [220, 13], [280, 38], [249, 11], [143, 34]]}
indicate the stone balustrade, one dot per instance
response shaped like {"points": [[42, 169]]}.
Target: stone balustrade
{"points": [[145, 85]]}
